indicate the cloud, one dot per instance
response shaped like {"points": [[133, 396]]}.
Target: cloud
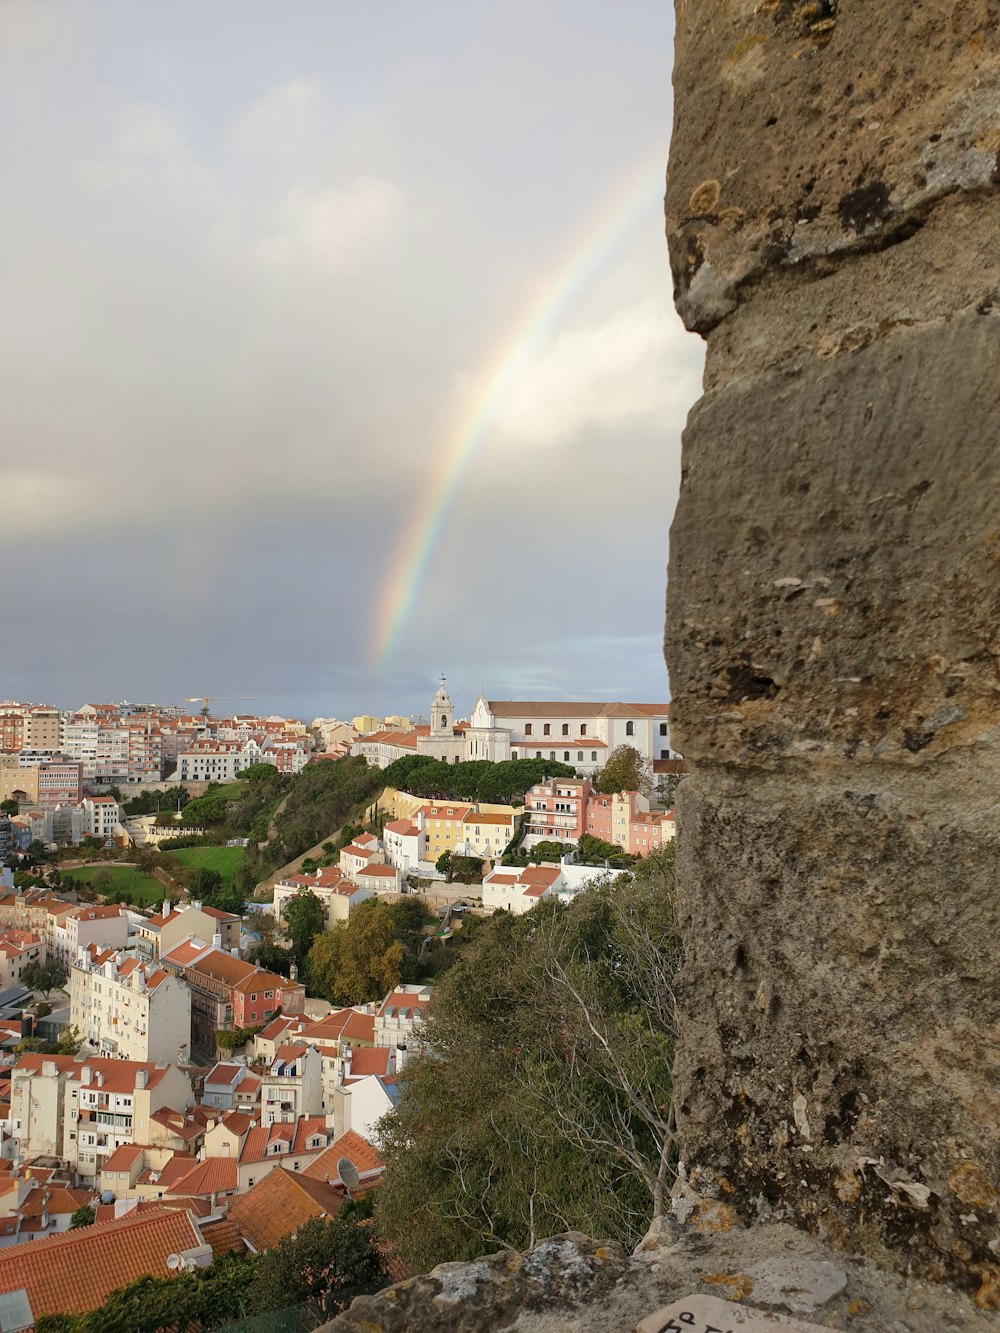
{"points": [[331, 227], [280, 123], [635, 366]]}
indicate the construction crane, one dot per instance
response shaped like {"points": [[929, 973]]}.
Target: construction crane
{"points": [[206, 699]]}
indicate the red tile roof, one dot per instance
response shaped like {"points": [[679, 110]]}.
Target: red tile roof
{"points": [[212, 1175], [75, 1271], [123, 1157], [369, 1060], [279, 1204], [350, 1145]]}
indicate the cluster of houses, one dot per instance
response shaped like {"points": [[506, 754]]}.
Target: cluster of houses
{"points": [[181, 1155]]}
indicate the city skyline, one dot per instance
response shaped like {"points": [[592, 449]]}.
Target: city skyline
{"points": [[338, 350]]}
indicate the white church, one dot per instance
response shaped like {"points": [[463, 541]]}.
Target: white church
{"points": [[579, 734]]}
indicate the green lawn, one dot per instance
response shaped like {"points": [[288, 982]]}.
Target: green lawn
{"points": [[223, 859], [143, 890]]}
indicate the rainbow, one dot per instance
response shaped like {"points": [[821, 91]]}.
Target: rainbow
{"points": [[596, 245]]}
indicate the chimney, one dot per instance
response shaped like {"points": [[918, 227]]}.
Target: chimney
{"points": [[217, 940], [141, 1078], [100, 1078], [85, 1074], [49, 1069], [196, 904], [235, 951], [166, 907]]}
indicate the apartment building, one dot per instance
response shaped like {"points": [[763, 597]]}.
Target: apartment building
{"points": [[556, 810], [227, 993], [129, 1010], [293, 1085], [160, 932], [625, 818], [18, 948], [405, 845], [101, 816], [60, 781], [400, 1017], [83, 1110], [64, 927], [443, 824]]}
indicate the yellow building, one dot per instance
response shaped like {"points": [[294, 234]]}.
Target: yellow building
{"points": [[14, 778], [443, 822], [487, 833], [395, 723], [366, 724]]}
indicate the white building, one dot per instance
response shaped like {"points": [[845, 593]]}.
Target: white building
{"points": [[130, 1010], [579, 734], [338, 895], [83, 1110], [517, 889], [101, 816], [400, 1018], [405, 845], [293, 1086]]}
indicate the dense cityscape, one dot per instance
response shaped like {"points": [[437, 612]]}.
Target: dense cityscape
{"points": [[220, 940]]}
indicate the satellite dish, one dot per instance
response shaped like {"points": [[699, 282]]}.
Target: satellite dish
{"points": [[173, 1262], [348, 1173]]}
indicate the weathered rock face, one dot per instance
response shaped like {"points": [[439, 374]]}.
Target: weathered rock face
{"points": [[833, 637]]}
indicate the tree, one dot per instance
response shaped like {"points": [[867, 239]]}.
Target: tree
{"points": [[70, 1040], [84, 1216], [326, 1263], [45, 977], [625, 770], [594, 851], [9, 807], [103, 883], [205, 884], [259, 773], [543, 1103], [304, 919], [443, 864], [358, 960]]}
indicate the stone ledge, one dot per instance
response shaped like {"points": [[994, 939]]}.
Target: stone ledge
{"points": [[572, 1284]]}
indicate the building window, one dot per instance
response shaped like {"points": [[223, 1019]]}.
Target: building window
{"points": [[547, 729], [663, 728], [579, 756], [566, 756], [527, 728], [565, 728], [629, 728], [583, 729], [552, 754], [593, 756]]}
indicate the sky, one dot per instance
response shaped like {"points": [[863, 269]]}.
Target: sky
{"points": [[337, 351]]}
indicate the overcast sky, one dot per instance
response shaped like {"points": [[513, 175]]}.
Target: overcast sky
{"points": [[272, 274]]}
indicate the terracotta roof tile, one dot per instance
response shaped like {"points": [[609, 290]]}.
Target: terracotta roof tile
{"points": [[279, 1204], [350, 1145], [369, 1060], [212, 1175], [75, 1271]]}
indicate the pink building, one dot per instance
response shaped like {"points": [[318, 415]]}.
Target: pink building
{"points": [[557, 809], [60, 781], [625, 819]]}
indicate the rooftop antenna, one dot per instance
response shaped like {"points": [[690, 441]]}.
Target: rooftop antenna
{"points": [[348, 1174]]}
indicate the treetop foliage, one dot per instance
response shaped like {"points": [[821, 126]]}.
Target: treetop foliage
{"points": [[502, 783], [543, 1103], [625, 770]]}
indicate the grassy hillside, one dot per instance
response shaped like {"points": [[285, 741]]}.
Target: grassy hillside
{"points": [[223, 859], [142, 889]]}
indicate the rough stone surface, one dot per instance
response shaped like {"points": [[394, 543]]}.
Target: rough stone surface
{"points": [[833, 638], [570, 1284]]}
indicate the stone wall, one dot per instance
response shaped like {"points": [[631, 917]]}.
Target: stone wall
{"points": [[833, 628]]}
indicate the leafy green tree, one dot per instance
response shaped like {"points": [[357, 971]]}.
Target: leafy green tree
{"points": [[326, 1263], [625, 770], [443, 864], [9, 807], [544, 1101], [358, 960], [595, 851], [84, 1216], [103, 883], [205, 884], [70, 1040], [45, 977], [260, 773], [304, 920]]}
